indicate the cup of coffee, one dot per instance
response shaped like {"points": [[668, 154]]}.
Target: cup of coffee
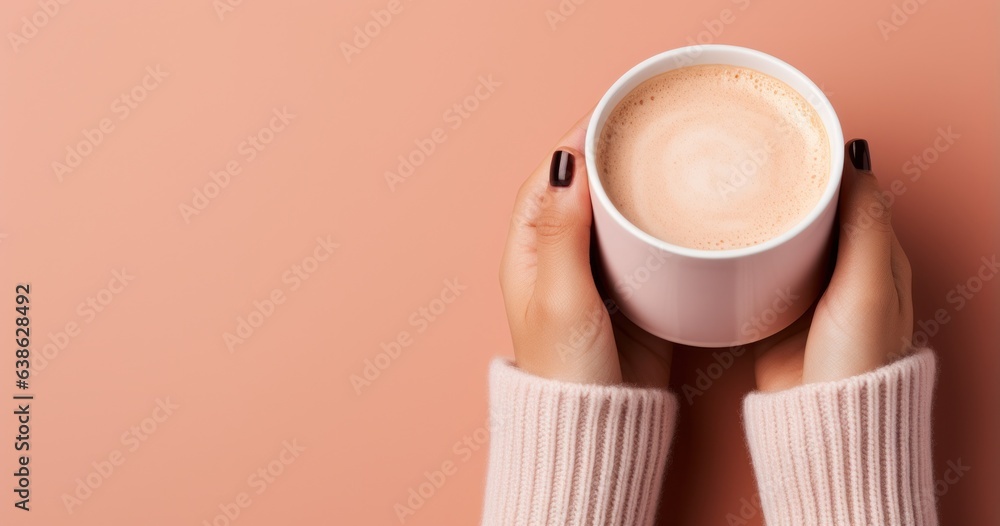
{"points": [[714, 174]]}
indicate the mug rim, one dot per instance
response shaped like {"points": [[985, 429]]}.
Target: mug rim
{"points": [[835, 136]]}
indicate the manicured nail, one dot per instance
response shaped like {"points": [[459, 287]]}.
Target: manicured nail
{"points": [[860, 157], [561, 171]]}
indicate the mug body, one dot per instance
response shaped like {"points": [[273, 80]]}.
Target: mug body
{"points": [[714, 298]]}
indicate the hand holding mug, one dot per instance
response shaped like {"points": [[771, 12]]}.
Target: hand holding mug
{"points": [[864, 319], [560, 325]]}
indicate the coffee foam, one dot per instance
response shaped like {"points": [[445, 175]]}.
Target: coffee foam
{"points": [[714, 157]]}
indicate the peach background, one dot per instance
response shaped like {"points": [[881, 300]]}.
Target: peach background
{"points": [[162, 336]]}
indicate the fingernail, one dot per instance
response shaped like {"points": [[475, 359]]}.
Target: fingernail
{"points": [[561, 171], [860, 157]]}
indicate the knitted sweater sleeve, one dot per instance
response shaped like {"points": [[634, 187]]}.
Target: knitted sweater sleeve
{"points": [[854, 451], [573, 454]]}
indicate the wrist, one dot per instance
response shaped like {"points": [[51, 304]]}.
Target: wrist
{"points": [[590, 370]]}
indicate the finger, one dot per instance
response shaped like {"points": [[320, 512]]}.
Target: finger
{"points": [[902, 273], [865, 248], [549, 237], [903, 276], [791, 333], [562, 229]]}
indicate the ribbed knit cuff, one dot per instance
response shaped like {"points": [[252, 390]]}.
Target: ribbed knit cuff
{"points": [[565, 453], [855, 451]]}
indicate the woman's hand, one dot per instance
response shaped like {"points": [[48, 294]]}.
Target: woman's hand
{"points": [[559, 323], [865, 318]]}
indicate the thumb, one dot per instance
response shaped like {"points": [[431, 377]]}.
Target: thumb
{"points": [[865, 313], [559, 325], [562, 232], [866, 240], [547, 257]]}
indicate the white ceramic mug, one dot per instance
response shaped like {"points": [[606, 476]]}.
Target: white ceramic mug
{"points": [[714, 298]]}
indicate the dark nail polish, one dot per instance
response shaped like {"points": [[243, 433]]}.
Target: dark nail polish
{"points": [[561, 171], [860, 157]]}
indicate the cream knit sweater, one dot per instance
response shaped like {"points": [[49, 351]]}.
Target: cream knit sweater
{"points": [[852, 452]]}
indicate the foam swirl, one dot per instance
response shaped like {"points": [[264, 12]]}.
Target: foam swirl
{"points": [[714, 157]]}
